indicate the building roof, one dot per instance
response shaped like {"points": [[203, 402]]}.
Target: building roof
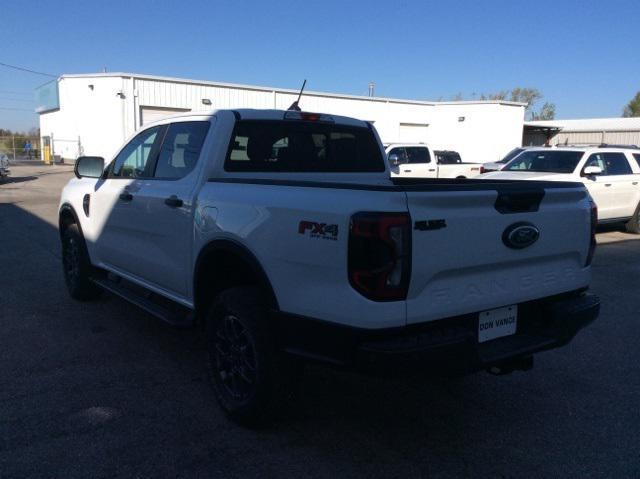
{"points": [[285, 90], [590, 124], [542, 125]]}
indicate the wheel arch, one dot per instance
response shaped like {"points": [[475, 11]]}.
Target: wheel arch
{"points": [[225, 263], [67, 216]]}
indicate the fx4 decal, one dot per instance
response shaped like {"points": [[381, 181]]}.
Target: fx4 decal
{"points": [[318, 230]]}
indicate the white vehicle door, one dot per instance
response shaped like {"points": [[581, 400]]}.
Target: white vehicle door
{"points": [[115, 237], [399, 161], [636, 181], [609, 189], [630, 192], [420, 164]]}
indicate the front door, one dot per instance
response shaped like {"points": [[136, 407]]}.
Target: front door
{"points": [[415, 162], [609, 189], [118, 237]]}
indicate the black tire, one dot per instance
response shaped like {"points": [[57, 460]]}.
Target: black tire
{"points": [[77, 266], [633, 225], [252, 381]]}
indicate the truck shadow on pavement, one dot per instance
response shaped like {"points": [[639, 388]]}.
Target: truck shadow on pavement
{"points": [[105, 389], [16, 179]]}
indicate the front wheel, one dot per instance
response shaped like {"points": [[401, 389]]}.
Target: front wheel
{"points": [[250, 378], [633, 225], [77, 266]]}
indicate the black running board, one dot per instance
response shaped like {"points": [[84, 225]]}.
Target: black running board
{"points": [[173, 318]]}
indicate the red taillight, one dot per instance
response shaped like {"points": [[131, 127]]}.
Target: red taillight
{"points": [[310, 116], [482, 170], [380, 255], [594, 224]]}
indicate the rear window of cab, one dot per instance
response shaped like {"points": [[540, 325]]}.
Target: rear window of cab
{"points": [[302, 146]]}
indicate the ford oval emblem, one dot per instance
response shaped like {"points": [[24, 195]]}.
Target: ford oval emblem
{"points": [[520, 235]]}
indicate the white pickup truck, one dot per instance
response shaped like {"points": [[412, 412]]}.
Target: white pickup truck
{"points": [[611, 174], [283, 235], [417, 160]]}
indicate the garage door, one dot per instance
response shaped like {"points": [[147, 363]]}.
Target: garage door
{"points": [[413, 132], [150, 114]]}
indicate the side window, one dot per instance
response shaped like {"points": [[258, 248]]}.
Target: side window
{"points": [[418, 155], [637, 157], [400, 153], [133, 159], [597, 160], [616, 164], [181, 149]]}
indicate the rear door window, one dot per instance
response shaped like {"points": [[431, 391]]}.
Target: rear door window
{"points": [[418, 155], [302, 146], [181, 149], [637, 157], [612, 164], [448, 157]]}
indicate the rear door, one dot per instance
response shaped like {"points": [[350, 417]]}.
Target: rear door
{"points": [[628, 195], [461, 264]]}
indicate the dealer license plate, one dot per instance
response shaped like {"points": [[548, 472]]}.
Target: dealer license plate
{"points": [[496, 323]]}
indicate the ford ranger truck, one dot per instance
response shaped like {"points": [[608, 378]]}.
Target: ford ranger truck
{"points": [[282, 234]]}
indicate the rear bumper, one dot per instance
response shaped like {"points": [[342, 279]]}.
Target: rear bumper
{"points": [[443, 345]]}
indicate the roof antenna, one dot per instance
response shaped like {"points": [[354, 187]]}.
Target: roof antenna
{"points": [[294, 106]]}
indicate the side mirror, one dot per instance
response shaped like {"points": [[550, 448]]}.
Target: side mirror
{"points": [[394, 159], [89, 167], [592, 170]]}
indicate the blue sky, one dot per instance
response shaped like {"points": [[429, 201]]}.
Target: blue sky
{"points": [[582, 55]]}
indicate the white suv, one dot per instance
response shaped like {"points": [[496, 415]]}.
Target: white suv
{"points": [[611, 174]]}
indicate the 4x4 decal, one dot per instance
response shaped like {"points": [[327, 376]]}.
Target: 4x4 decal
{"points": [[318, 230]]}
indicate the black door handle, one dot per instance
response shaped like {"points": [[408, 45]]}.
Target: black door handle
{"points": [[607, 184], [634, 183], [126, 196], [173, 201]]}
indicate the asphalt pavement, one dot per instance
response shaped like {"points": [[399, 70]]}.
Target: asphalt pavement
{"points": [[101, 389]]}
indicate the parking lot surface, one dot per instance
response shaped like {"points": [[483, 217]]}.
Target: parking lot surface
{"points": [[102, 389]]}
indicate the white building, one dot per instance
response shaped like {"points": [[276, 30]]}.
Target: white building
{"points": [[92, 114], [588, 131]]}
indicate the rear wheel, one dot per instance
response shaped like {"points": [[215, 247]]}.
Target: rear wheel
{"points": [[77, 266], [633, 225], [250, 378]]}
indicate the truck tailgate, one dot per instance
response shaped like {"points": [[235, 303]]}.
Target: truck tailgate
{"points": [[461, 264]]}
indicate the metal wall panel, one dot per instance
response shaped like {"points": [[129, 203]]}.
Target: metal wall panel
{"points": [[597, 137]]}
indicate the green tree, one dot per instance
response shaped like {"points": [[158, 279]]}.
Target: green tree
{"points": [[633, 107], [547, 112]]}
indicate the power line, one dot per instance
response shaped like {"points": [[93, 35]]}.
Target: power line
{"points": [[27, 70]]}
